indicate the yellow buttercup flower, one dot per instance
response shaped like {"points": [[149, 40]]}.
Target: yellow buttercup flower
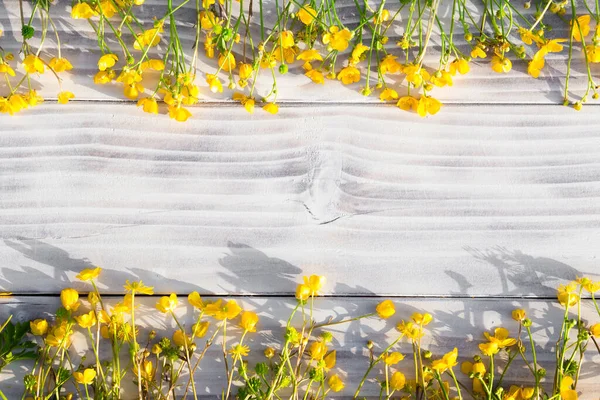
{"points": [[317, 350], [479, 370], [88, 274], [156, 65], [448, 361], [181, 339], [138, 287], [149, 38], [196, 301], [86, 377], [582, 27], [501, 338], [86, 320], [422, 319], [459, 65], [501, 64], [221, 311], [6, 69], [179, 113], [317, 76], [478, 52], [269, 352], [310, 55], [64, 97], [357, 53], [566, 391], [306, 14], [82, 11], [200, 328], [239, 351], [536, 64], [245, 70], [428, 105], [167, 303], [33, 99], [302, 292], [38, 327], [227, 63], [286, 39], [519, 314], [59, 336], [146, 370], [214, 83], [315, 283], [595, 330], [385, 309], [104, 77], [527, 392], [107, 8], [441, 78], [397, 381], [330, 359], [335, 383], [246, 101], [567, 296], [70, 299], [148, 104], [33, 64], [337, 39], [60, 64], [416, 75], [388, 94], [392, 358], [389, 65], [593, 53], [248, 321], [349, 75], [489, 349], [271, 108]]}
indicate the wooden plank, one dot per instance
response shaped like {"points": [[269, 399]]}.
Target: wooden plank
{"points": [[457, 323], [481, 85], [379, 200]]}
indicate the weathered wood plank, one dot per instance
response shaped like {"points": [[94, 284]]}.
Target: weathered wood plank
{"points": [[481, 85], [378, 200], [457, 323]]}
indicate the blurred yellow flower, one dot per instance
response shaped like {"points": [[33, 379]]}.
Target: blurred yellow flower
{"points": [[38, 327], [317, 350], [397, 381], [221, 311], [448, 361], [70, 299], [337, 39], [167, 303], [248, 321], [335, 383], [385, 309], [86, 377], [88, 274], [33, 64], [392, 358], [86, 320], [306, 14], [64, 97]]}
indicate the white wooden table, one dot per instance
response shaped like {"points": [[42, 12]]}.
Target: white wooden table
{"points": [[485, 207]]}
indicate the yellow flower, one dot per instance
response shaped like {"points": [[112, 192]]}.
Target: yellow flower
{"points": [[337, 39], [33, 99], [148, 104], [86, 320], [306, 14], [86, 377], [138, 287], [527, 392], [428, 105], [214, 83], [519, 314], [82, 11], [317, 350], [335, 383], [221, 311], [38, 327], [388, 94], [357, 53], [149, 38], [416, 75], [59, 336], [64, 97], [167, 303], [593, 53], [104, 77], [385, 309], [501, 338], [227, 63], [156, 65], [477, 52], [271, 108], [389, 65], [501, 64], [595, 330], [179, 113], [461, 65], [269, 352], [392, 358], [196, 301], [70, 299], [146, 370], [408, 103], [302, 292], [314, 283], [489, 349], [239, 351], [566, 295], [245, 71], [410, 330], [349, 75], [246, 101], [286, 39], [289, 54], [566, 393], [107, 8], [478, 369], [60, 64], [317, 76], [248, 321], [33, 64], [200, 328], [330, 360], [422, 319], [553, 46], [181, 339], [441, 79], [447, 362], [310, 55], [5, 68], [536, 64], [208, 20], [397, 381], [133, 91], [529, 37], [581, 27], [88, 274]]}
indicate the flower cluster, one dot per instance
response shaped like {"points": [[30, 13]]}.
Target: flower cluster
{"points": [[303, 365], [153, 66]]}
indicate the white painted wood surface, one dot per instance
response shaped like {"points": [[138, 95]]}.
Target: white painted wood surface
{"points": [[458, 323], [506, 205]]}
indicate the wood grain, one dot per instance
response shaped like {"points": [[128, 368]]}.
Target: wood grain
{"points": [[380, 201], [457, 323], [481, 85]]}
